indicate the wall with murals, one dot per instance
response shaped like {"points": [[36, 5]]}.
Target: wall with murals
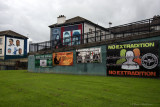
{"points": [[131, 58], [66, 62], [69, 35]]}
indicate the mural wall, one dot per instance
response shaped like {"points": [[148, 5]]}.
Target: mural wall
{"points": [[133, 59], [137, 58], [69, 35], [75, 68]]}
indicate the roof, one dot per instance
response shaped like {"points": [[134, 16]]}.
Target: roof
{"points": [[75, 20], [139, 26], [12, 33]]}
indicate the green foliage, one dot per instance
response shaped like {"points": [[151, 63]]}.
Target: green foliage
{"points": [[23, 89]]}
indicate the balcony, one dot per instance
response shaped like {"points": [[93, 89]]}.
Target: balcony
{"points": [[143, 28]]}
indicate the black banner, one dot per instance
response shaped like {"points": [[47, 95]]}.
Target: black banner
{"points": [[133, 59]]}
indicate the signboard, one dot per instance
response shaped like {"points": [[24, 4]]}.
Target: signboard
{"points": [[133, 59], [88, 55], [43, 60], [14, 46], [63, 58]]}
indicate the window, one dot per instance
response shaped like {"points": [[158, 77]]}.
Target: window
{"points": [[0, 51], [90, 30], [0, 41]]}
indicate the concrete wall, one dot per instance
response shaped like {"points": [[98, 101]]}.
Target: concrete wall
{"points": [[83, 68]]}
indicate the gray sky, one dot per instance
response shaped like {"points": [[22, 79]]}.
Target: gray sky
{"points": [[32, 17]]}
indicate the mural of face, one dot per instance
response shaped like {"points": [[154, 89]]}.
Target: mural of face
{"points": [[136, 52], [66, 35], [57, 37], [123, 52], [137, 55], [20, 51], [76, 37], [122, 55], [129, 56], [9, 50], [129, 64], [66, 38], [17, 43], [11, 42]]}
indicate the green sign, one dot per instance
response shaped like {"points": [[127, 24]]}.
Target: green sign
{"points": [[43, 60]]}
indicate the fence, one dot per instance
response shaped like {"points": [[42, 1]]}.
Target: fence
{"points": [[136, 28]]}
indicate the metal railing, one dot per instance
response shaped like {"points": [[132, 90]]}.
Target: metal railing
{"points": [[122, 31]]}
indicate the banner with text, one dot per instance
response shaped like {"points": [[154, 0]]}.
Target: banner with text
{"points": [[43, 60], [133, 59]]}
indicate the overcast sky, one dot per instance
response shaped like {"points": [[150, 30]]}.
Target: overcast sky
{"points": [[32, 17]]}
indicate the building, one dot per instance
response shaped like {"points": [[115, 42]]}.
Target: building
{"points": [[136, 28], [75, 31], [127, 50], [13, 49]]}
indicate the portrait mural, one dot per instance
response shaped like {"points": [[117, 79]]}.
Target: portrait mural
{"points": [[56, 36], [14, 46], [71, 35]]}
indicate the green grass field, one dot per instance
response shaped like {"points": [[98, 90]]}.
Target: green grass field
{"points": [[23, 89]]}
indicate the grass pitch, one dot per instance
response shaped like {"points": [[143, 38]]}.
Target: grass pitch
{"points": [[23, 89]]}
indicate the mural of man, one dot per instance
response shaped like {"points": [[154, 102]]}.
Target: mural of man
{"points": [[137, 55], [12, 47], [56, 61], [76, 37], [20, 51], [9, 50], [129, 64], [66, 38], [17, 43], [79, 58], [11, 42], [122, 55]]}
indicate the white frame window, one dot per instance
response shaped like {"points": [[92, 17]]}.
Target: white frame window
{"points": [[1, 41], [90, 30], [0, 51]]}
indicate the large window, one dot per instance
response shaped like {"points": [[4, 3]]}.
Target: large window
{"points": [[0, 51], [1, 41], [90, 30]]}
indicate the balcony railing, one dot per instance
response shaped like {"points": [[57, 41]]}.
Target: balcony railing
{"points": [[122, 31]]}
